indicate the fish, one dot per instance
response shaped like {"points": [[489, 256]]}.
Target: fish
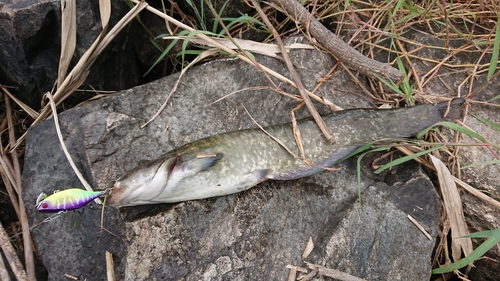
{"points": [[236, 161], [66, 200]]}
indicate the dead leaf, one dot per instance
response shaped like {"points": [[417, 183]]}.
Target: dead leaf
{"points": [[454, 210], [68, 38], [330, 272], [105, 11], [308, 249], [270, 50], [110, 267]]}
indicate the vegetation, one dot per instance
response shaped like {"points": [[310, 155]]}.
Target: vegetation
{"points": [[378, 29]]}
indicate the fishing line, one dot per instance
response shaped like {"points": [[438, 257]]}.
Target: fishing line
{"points": [[48, 219]]}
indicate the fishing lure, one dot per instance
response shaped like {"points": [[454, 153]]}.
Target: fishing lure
{"points": [[65, 200]]}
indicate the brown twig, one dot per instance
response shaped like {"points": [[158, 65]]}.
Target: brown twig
{"points": [[32, 113], [295, 76], [333, 273], [8, 184], [341, 50], [110, 267], [10, 255], [297, 135], [271, 136], [232, 52], [27, 243], [4, 274], [68, 38], [65, 150]]}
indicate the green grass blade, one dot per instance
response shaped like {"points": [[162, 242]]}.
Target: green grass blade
{"points": [[163, 54], [487, 122], [358, 174], [188, 38], [189, 52], [494, 98], [243, 19], [250, 55], [454, 127], [494, 55], [221, 10], [130, 4], [405, 159], [405, 85], [390, 84], [201, 20], [358, 150], [476, 254], [484, 234], [397, 7], [155, 44], [492, 162], [370, 144], [203, 17]]}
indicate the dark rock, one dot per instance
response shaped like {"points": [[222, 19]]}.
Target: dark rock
{"points": [[248, 236], [30, 42], [30, 39], [480, 216]]}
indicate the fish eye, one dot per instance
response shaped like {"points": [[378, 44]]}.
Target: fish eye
{"points": [[45, 205]]}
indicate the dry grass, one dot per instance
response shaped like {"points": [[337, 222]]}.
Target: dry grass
{"points": [[368, 26]]}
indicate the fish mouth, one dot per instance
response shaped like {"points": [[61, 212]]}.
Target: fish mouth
{"points": [[116, 194]]}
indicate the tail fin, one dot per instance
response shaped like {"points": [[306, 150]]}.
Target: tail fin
{"points": [[452, 109]]}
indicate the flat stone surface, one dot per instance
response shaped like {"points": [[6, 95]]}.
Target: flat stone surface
{"points": [[247, 236]]}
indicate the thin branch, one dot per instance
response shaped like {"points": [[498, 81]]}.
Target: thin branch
{"points": [[232, 52], [66, 153], [341, 50], [110, 267], [4, 273], [271, 136], [336, 274], [8, 180], [10, 255], [27, 243], [295, 76]]}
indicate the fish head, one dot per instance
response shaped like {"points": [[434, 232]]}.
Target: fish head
{"points": [[141, 184], [159, 178]]}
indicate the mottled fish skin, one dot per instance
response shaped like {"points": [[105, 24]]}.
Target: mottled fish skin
{"points": [[236, 161]]}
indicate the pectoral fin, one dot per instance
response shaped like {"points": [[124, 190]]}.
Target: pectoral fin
{"points": [[261, 175], [186, 166], [200, 163], [252, 179]]}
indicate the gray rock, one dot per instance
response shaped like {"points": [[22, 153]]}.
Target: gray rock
{"points": [[480, 216], [248, 236], [30, 41]]}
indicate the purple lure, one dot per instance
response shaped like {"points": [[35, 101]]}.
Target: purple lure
{"points": [[66, 200]]}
